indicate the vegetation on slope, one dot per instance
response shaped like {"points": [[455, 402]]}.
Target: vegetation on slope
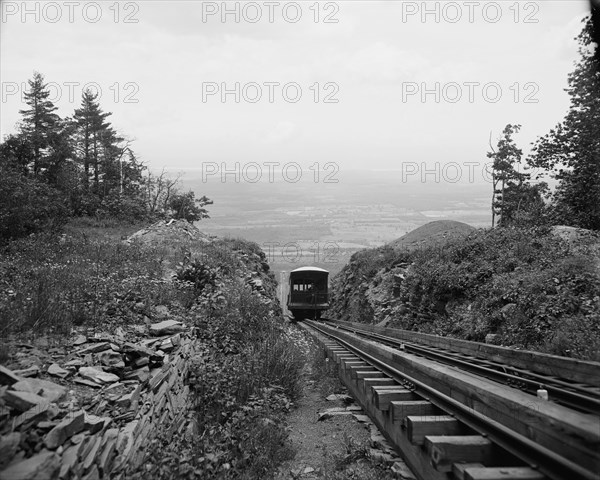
{"points": [[244, 381], [530, 287]]}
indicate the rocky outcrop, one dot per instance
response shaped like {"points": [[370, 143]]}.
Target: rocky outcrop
{"points": [[368, 288], [170, 230]]}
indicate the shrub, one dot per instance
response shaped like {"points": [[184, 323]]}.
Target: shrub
{"points": [[186, 206], [28, 205], [546, 282], [52, 283]]}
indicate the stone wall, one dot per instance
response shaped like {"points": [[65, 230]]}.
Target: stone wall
{"points": [[111, 398]]}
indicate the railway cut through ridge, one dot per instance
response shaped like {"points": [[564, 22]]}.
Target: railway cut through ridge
{"points": [[449, 421]]}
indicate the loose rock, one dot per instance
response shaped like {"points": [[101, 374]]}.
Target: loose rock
{"points": [[7, 377], [97, 375], [93, 423], [94, 348], [8, 446], [32, 371], [166, 327], [22, 401], [57, 371], [64, 430], [43, 466], [49, 390], [112, 359]]}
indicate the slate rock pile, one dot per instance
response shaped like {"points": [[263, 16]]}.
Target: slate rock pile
{"points": [[89, 411], [167, 230]]}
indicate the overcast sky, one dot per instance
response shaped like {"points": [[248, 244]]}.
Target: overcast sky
{"points": [[162, 65]]}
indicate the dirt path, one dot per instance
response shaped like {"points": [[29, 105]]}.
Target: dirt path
{"points": [[340, 445]]}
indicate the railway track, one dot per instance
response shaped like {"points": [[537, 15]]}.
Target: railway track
{"points": [[452, 420], [579, 396]]}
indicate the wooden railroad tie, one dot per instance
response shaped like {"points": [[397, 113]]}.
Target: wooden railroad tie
{"points": [[476, 471], [446, 450], [418, 427], [401, 410], [384, 396]]}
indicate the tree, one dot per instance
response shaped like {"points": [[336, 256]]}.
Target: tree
{"points": [[185, 206], [91, 132], [39, 121], [508, 184], [60, 155], [159, 190], [17, 153], [53, 168], [570, 152], [524, 204], [130, 172], [27, 204]]}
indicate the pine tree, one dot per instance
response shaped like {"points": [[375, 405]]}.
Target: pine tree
{"points": [[91, 129], [571, 151], [507, 182], [39, 121]]}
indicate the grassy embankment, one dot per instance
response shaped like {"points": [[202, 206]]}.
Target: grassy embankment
{"points": [[248, 374], [530, 287]]}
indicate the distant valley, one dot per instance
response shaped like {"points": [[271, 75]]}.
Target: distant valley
{"points": [[323, 224]]}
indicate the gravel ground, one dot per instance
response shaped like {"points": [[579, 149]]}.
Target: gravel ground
{"points": [[338, 446]]}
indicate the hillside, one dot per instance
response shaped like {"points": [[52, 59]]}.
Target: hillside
{"points": [[527, 288], [431, 233], [102, 322], [354, 296]]}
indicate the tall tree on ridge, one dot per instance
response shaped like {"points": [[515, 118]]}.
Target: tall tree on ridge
{"points": [[39, 120], [571, 151], [90, 131], [506, 180]]}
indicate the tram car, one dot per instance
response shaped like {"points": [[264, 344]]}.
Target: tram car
{"points": [[308, 293]]}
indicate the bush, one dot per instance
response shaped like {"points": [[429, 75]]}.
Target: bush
{"points": [[28, 205], [524, 284], [186, 206]]}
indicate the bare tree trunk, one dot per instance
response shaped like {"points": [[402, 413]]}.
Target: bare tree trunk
{"points": [[494, 184]]}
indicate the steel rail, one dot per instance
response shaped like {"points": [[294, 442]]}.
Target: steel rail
{"points": [[579, 401], [548, 462]]}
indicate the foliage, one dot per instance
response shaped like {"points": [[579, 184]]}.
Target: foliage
{"points": [[28, 205], [79, 166], [197, 275], [39, 120], [524, 284], [244, 383], [529, 286], [185, 206], [514, 200], [50, 283], [246, 377], [571, 150]]}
